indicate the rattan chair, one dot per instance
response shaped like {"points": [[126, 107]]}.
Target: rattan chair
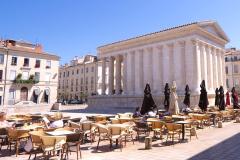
{"points": [[102, 132], [74, 141], [172, 130], [116, 134], [52, 144], [14, 137], [36, 142]]}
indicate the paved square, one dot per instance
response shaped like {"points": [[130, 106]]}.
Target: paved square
{"points": [[213, 143]]}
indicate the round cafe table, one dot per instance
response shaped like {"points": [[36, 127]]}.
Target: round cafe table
{"points": [[183, 127]]}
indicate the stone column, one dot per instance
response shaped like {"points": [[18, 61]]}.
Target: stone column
{"points": [[215, 73], [139, 72], [178, 63], [125, 74], [223, 70], [157, 69], [118, 74], [190, 55], [204, 66], [131, 73], [111, 76], [165, 62], [197, 67], [210, 68], [171, 61], [219, 62], [147, 63], [104, 76]]}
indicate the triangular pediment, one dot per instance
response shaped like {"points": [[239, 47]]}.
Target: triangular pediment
{"points": [[213, 28]]}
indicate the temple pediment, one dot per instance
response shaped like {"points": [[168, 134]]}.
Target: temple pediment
{"points": [[213, 28]]}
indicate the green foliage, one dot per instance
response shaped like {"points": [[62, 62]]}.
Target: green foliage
{"points": [[30, 80]]}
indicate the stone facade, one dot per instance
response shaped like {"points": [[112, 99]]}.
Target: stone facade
{"points": [[27, 73], [77, 80], [232, 68], [186, 54]]}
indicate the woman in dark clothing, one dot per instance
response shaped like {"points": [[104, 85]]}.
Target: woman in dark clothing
{"points": [[203, 100], [221, 99]]}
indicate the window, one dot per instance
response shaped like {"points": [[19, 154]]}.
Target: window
{"points": [[226, 70], [81, 80], [26, 62], [63, 74], [12, 75], [86, 80], [92, 80], [47, 77], [82, 70], [235, 68], [14, 61], [60, 75], [48, 64], [1, 74], [77, 71], [227, 83], [68, 74], [37, 65], [37, 76], [11, 94], [1, 58], [25, 75], [235, 58], [72, 72], [92, 69], [76, 82], [87, 70]]}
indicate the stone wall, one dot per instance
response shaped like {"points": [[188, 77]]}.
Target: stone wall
{"points": [[37, 108], [129, 103]]}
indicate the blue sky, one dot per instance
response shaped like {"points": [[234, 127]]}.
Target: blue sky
{"points": [[76, 27]]}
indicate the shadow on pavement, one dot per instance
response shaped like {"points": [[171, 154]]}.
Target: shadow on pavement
{"points": [[228, 149]]}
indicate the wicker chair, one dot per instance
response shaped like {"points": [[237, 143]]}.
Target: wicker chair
{"points": [[102, 132], [172, 130], [3, 137], [116, 134], [88, 130], [74, 140], [14, 137], [52, 144], [157, 127], [36, 142]]}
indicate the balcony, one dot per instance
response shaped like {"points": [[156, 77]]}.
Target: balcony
{"points": [[30, 80]]}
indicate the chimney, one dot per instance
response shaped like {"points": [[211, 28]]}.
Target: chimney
{"points": [[39, 48]]}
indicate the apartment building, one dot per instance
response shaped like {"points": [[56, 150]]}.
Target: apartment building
{"points": [[232, 68], [27, 73], [77, 80]]}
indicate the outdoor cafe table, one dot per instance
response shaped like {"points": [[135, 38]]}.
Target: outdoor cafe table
{"points": [[183, 127], [179, 117], [59, 133], [214, 115]]}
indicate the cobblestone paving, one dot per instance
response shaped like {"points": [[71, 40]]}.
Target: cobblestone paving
{"points": [[213, 144]]}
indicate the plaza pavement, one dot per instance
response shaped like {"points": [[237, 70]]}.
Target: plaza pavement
{"points": [[212, 144]]}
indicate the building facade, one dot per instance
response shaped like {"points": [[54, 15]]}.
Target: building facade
{"points": [[232, 68], [77, 80], [27, 73], [186, 54]]}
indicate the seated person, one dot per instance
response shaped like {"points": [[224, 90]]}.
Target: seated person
{"points": [[137, 112], [55, 124], [152, 112], [3, 122]]}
